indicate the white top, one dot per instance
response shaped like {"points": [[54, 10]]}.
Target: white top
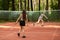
{"points": [[41, 16]]}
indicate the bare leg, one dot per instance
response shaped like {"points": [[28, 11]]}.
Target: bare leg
{"points": [[23, 32], [42, 22], [38, 21], [19, 32], [26, 23]]}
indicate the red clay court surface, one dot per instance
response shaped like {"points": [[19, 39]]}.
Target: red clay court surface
{"points": [[50, 31]]}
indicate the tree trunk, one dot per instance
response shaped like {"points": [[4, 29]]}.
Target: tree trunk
{"points": [[21, 4], [58, 4], [39, 5], [59, 8], [25, 4], [13, 5], [51, 4], [46, 4], [31, 5], [5, 4], [28, 5]]}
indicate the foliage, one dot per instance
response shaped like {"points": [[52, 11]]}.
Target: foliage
{"points": [[7, 4], [54, 4]]}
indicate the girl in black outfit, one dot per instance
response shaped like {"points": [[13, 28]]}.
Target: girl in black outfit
{"points": [[22, 21]]}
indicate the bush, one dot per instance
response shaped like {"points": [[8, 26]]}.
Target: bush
{"points": [[54, 16], [4, 16]]}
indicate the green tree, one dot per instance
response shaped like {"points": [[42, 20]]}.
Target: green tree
{"points": [[46, 4], [39, 4], [13, 5], [0, 4], [5, 4], [54, 4], [28, 5], [31, 5], [59, 9], [21, 4], [59, 4], [25, 4]]}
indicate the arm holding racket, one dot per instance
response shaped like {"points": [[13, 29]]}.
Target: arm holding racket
{"points": [[46, 17], [18, 18], [26, 18]]}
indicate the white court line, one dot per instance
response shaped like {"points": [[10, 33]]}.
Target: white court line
{"points": [[8, 27], [5, 26], [34, 32], [40, 32], [48, 26]]}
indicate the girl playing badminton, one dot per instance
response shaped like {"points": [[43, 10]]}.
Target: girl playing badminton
{"points": [[22, 19], [41, 18]]}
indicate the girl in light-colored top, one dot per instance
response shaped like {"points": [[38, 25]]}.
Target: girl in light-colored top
{"points": [[41, 18]]}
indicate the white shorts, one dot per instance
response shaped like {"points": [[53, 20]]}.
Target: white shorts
{"points": [[40, 18]]}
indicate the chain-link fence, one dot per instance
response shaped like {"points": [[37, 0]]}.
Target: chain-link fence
{"points": [[53, 15]]}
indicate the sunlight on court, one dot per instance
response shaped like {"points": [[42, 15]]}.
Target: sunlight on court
{"points": [[53, 26], [5, 26], [46, 26], [8, 27]]}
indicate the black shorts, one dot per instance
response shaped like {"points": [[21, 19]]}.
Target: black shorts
{"points": [[22, 23]]}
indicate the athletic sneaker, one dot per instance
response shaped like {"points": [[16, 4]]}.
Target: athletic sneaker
{"points": [[23, 36], [18, 34]]}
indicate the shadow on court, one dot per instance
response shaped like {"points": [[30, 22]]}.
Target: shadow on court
{"points": [[48, 32]]}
